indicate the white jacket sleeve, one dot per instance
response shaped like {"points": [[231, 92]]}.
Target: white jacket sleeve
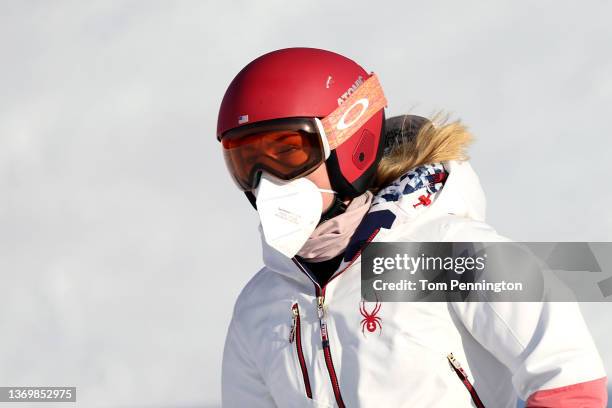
{"points": [[545, 345], [241, 382]]}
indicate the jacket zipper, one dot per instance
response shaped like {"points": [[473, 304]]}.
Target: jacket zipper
{"points": [[465, 380], [326, 349], [296, 335], [320, 293]]}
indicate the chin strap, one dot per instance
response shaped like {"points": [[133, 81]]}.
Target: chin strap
{"points": [[338, 207]]}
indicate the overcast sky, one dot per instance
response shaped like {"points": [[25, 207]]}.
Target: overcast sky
{"points": [[123, 242]]}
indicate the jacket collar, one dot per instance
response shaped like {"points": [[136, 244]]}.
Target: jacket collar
{"points": [[462, 195]]}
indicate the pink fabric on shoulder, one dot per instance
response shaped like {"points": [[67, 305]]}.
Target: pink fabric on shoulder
{"points": [[590, 394]]}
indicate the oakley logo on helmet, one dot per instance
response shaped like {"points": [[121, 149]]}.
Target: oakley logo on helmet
{"points": [[364, 103], [349, 91]]}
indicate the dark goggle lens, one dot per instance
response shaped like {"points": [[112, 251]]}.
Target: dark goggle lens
{"points": [[284, 153]]}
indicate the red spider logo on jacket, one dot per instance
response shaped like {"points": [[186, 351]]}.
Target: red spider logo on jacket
{"points": [[370, 320]]}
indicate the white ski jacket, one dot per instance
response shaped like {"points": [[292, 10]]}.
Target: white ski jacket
{"points": [[292, 343]]}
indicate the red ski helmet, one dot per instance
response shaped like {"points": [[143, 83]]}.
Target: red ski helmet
{"points": [[307, 83]]}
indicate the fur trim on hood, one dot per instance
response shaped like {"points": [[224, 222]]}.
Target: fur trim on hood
{"points": [[413, 141]]}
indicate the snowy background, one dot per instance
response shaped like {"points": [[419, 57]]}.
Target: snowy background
{"points": [[123, 242]]}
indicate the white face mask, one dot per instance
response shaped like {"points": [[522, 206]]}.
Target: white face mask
{"points": [[289, 212]]}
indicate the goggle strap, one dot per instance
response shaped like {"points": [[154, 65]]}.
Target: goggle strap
{"points": [[354, 112]]}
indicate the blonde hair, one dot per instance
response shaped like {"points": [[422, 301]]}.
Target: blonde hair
{"points": [[437, 141]]}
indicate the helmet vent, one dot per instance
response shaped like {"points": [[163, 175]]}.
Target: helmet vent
{"points": [[365, 150]]}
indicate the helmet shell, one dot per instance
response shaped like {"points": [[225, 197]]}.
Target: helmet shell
{"points": [[306, 82]]}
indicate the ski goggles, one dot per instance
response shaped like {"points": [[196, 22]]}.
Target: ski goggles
{"points": [[291, 148]]}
